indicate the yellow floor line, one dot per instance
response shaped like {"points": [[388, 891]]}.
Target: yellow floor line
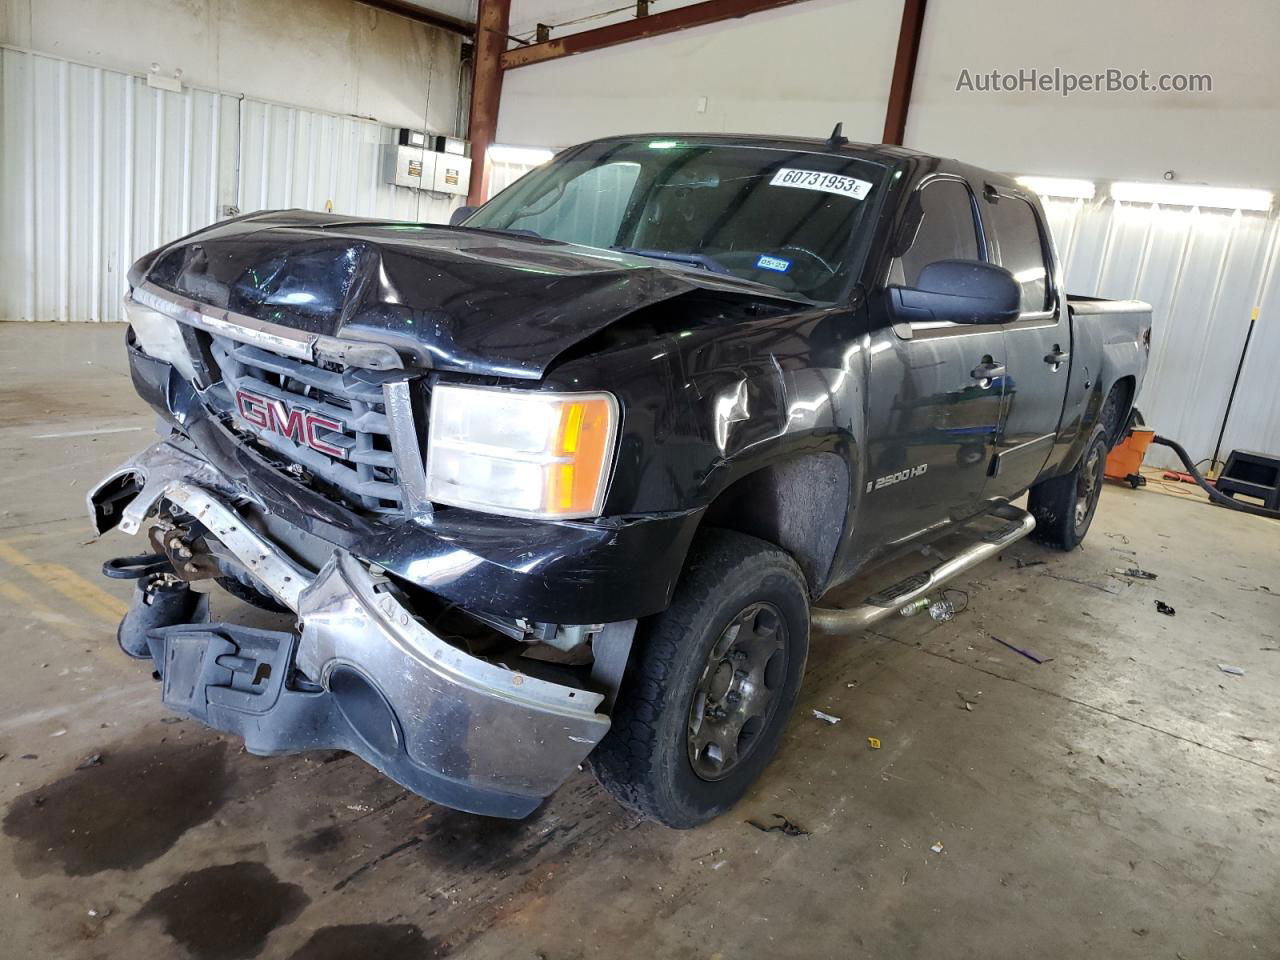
{"points": [[25, 603], [67, 582]]}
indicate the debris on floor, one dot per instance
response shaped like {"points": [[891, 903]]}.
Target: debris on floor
{"points": [[873, 743], [93, 760], [968, 701], [826, 717], [1027, 563], [1162, 607], [786, 827], [1234, 671], [1033, 657], [937, 846], [1137, 573]]}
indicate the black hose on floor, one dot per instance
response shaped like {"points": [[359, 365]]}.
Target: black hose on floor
{"points": [[1214, 494]]}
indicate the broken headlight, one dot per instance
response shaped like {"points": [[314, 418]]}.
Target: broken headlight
{"points": [[159, 336]]}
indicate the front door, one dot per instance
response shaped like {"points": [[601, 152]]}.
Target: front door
{"points": [[935, 391]]}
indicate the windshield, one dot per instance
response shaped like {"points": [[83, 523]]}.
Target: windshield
{"points": [[787, 218]]}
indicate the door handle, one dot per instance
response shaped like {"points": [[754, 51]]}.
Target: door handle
{"points": [[987, 370], [1057, 357]]}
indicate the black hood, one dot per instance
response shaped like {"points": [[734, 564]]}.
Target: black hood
{"points": [[457, 299]]}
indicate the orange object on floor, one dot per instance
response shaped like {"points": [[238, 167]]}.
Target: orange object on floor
{"points": [[1123, 462]]}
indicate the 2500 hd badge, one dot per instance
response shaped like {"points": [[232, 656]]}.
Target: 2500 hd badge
{"points": [[898, 477]]}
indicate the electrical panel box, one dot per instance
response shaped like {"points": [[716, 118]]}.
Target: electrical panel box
{"points": [[453, 174], [409, 166], [427, 162]]}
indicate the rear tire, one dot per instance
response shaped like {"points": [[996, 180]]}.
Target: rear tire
{"points": [[713, 680], [1064, 506]]}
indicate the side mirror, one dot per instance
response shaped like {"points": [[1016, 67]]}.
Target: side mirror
{"points": [[958, 291], [462, 213]]}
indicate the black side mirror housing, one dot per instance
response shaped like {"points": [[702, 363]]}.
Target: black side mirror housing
{"points": [[462, 213], [958, 291]]}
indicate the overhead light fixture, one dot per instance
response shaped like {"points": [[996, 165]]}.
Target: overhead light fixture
{"points": [[524, 156], [1060, 187], [1187, 195]]}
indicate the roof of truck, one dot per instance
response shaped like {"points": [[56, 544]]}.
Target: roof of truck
{"points": [[769, 140], [890, 153]]}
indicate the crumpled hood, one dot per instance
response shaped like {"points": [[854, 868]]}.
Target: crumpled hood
{"points": [[463, 300]]}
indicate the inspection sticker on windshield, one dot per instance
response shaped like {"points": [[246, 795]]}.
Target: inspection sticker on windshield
{"points": [[818, 180], [777, 264]]}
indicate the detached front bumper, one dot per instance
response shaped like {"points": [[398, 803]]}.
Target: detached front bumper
{"points": [[361, 673]]}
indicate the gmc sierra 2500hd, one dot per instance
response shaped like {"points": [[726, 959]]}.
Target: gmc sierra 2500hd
{"points": [[561, 482]]}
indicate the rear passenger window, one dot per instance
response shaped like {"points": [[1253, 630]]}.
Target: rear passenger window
{"points": [[946, 231], [1022, 250]]}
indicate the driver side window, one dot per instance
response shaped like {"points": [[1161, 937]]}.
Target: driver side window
{"points": [[946, 230]]}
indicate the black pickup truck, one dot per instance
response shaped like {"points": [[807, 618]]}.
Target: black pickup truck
{"points": [[564, 481]]}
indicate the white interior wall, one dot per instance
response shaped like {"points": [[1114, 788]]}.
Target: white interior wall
{"points": [[796, 70], [335, 56], [1229, 137], [97, 168]]}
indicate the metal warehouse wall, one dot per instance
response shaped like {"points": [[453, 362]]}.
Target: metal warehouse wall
{"points": [[1203, 271], [96, 168]]}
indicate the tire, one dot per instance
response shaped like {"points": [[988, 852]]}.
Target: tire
{"points": [[1064, 506], [663, 757], [1112, 410]]}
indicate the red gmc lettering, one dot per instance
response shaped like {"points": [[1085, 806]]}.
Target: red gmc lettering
{"points": [[299, 425]]}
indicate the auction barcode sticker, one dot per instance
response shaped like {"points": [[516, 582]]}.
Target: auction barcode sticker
{"points": [[818, 180]]}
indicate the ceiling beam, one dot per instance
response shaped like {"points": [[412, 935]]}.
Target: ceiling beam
{"points": [[653, 25], [412, 12], [904, 71], [493, 23]]}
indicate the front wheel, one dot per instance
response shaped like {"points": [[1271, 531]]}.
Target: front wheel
{"points": [[714, 678], [1064, 506]]}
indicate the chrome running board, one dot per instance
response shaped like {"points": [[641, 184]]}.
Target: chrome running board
{"points": [[887, 602]]}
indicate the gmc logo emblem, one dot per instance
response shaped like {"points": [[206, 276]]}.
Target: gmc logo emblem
{"points": [[298, 424]]}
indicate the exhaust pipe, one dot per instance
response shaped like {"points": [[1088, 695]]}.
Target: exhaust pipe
{"points": [[888, 602]]}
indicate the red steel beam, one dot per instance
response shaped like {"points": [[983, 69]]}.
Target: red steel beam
{"points": [[904, 71], [653, 25], [493, 20]]}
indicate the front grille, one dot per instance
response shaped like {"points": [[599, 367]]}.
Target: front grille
{"points": [[365, 475]]}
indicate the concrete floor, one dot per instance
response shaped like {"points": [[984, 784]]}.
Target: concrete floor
{"points": [[1118, 800]]}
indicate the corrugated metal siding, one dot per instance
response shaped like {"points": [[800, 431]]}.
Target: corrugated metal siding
{"points": [[503, 174], [1203, 271], [298, 158], [96, 168]]}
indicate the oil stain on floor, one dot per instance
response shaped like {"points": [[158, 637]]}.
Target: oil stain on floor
{"points": [[119, 815], [226, 912], [383, 941]]}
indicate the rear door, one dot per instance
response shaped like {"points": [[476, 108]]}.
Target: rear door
{"points": [[935, 389], [1037, 344]]}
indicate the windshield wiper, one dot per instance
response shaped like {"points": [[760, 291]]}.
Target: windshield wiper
{"points": [[692, 259]]}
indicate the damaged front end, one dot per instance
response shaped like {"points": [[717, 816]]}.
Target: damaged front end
{"points": [[433, 699]]}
